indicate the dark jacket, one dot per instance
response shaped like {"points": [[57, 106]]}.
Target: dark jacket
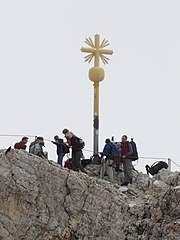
{"points": [[59, 144], [74, 143]]}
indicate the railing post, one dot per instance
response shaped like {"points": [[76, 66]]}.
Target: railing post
{"points": [[169, 164]]}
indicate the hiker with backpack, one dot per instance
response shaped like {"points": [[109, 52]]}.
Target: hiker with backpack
{"points": [[62, 149], [127, 152], [36, 148], [109, 156], [67, 135], [77, 146]]}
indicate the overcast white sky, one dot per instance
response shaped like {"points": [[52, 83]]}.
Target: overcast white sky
{"points": [[44, 81]]}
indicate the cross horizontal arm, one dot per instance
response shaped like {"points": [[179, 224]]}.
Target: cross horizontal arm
{"points": [[105, 51], [88, 50]]}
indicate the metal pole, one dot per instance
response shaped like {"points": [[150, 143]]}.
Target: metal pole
{"points": [[96, 119], [169, 164], [96, 99], [96, 75]]}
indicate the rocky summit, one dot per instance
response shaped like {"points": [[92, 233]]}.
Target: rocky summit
{"points": [[40, 200]]}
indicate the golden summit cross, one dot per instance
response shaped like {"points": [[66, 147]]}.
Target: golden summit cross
{"points": [[96, 50]]}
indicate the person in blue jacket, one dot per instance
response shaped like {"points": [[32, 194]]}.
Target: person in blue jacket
{"points": [[107, 161]]}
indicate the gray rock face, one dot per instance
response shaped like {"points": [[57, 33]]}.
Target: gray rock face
{"points": [[41, 201]]}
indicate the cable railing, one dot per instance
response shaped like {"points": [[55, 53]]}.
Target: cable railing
{"points": [[169, 160], [16, 135]]}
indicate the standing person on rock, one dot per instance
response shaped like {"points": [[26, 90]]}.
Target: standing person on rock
{"points": [[107, 161], [21, 144], [62, 149], [67, 135], [127, 162], [77, 145]]}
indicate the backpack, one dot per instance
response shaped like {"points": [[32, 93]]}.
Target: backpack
{"points": [[134, 155], [68, 163], [81, 143], [32, 148], [86, 162], [156, 167]]}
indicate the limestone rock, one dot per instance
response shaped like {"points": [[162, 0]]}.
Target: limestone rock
{"points": [[158, 184], [40, 200]]}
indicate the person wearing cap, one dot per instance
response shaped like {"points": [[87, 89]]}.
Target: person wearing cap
{"points": [[21, 144]]}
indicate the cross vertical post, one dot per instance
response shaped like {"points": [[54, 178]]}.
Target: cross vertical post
{"points": [[96, 75], [96, 59]]}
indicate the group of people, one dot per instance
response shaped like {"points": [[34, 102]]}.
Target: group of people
{"points": [[118, 156], [115, 157], [35, 147], [72, 142], [76, 144]]}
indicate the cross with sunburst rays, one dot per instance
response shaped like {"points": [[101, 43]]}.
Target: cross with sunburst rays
{"points": [[97, 50]]}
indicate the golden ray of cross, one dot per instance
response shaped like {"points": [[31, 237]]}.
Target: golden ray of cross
{"points": [[96, 51]]}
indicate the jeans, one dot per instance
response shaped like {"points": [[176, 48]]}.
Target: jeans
{"points": [[60, 158]]}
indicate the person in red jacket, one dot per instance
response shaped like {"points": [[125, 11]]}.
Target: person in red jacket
{"points": [[68, 135], [21, 144], [127, 162]]}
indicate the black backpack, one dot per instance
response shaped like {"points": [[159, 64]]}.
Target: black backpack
{"points": [[134, 155], [156, 167], [81, 143]]}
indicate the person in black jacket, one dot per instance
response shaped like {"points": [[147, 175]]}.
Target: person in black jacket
{"points": [[76, 153], [59, 143]]}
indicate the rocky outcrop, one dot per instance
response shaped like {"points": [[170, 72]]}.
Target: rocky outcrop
{"points": [[41, 201]]}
